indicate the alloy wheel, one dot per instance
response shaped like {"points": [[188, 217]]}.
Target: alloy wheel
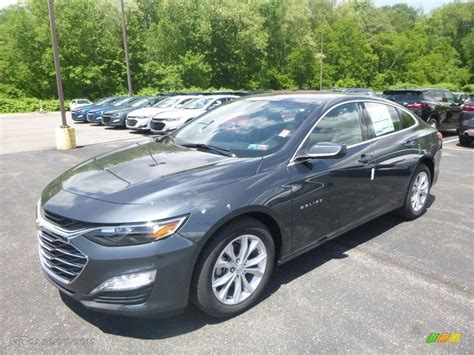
{"points": [[419, 191], [239, 269]]}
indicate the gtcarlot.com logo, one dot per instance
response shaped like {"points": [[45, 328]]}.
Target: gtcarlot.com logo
{"points": [[443, 338]]}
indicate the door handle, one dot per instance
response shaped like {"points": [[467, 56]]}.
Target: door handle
{"points": [[410, 143], [364, 158]]}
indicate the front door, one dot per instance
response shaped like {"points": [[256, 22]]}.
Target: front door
{"points": [[329, 195]]}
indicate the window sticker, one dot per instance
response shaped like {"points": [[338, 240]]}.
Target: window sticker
{"points": [[381, 118], [284, 133], [257, 147]]}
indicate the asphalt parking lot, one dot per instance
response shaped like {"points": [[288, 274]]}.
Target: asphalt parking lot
{"points": [[381, 288]]}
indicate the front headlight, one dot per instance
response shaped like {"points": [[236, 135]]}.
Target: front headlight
{"points": [[116, 114], [136, 233]]}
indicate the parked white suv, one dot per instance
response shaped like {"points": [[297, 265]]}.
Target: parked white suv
{"points": [[172, 119], [76, 103], [139, 120]]}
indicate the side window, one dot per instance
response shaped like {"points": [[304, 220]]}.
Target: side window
{"points": [[429, 96], [341, 125], [383, 119], [406, 119], [448, 97], [215, 104], [438, 95]]}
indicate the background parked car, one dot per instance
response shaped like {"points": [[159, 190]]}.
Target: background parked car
{"points": [[170, 120], [116, 117], [466, 122], [95, 115], [80, 114], [140, 119], [437, 107], [460, 97], [76, 103], [360, 91]]}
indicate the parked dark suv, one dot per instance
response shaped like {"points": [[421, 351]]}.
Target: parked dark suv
{"points": [[466, 122], [438, 107], [205, 214]]}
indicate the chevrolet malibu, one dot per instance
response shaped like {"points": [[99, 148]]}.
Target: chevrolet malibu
{"points": [[204, 215]]}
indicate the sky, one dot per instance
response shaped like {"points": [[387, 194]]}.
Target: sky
{"points": [[426, 5]]}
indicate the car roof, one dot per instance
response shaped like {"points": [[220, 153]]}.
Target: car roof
{"points": [[314, 97], [414, 90]]}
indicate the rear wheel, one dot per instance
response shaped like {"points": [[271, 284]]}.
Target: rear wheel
{"points": [[234, 268], [418, 192], [463, 140]]}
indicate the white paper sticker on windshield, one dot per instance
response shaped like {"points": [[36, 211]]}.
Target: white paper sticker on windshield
{"points": [[257, 147], [284, 133], [380, 117]]}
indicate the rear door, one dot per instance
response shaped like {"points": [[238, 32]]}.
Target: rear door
{"points": [[395, 146], [453, 110]]}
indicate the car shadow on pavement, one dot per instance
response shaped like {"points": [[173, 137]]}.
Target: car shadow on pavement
{"points": [[193, 319]]}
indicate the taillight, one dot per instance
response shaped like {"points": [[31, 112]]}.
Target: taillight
{"points": [[468, 108], [417, 106], [440, 135]]}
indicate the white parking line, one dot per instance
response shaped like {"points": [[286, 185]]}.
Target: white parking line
{"points": [[451, 140], [461, 149]]}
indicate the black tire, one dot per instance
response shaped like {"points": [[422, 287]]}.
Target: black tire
{"points": [[202, 292], [407, 210], [433, 122], [463, 140]]}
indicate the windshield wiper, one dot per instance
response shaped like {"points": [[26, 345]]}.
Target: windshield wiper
{"points": [[211, 148]]}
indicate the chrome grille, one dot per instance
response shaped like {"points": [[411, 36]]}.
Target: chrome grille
{"points": [[59, 257], [106, 118], [64, 222], [157, 125], [131, 122]]}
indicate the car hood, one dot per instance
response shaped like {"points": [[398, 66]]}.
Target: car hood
{"points": [[147, 111], [150, 172], [82, 108], [180, 113], [121, 109]]}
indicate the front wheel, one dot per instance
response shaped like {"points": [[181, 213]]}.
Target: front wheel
{"points": [[418, 192], [234, 268], [463, 140]]}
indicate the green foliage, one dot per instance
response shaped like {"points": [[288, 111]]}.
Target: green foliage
{"points": [[178, 45], [27, 105]]}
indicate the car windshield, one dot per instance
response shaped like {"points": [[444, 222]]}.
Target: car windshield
{"points": [[197, 103], [169, 102], [122, 102], [249, 128], [138, 102], [101, 101], [83, 101]]}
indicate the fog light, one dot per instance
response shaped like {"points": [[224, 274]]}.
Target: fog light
{"points": [[127, 282], [116, 120]]}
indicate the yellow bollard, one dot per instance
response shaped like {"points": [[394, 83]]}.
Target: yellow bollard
{"points": [[65, 138]]}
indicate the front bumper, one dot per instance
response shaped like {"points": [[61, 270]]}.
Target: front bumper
{"points": [[468, 132], [138, 124], [113, 121], [172, 258], [78, 117], [162, 126]]}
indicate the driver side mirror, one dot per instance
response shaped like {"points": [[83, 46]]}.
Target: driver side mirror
{"points": [[324, 150]]}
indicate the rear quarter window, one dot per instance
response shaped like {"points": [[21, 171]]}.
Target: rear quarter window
{"points": [[406, 119]]}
